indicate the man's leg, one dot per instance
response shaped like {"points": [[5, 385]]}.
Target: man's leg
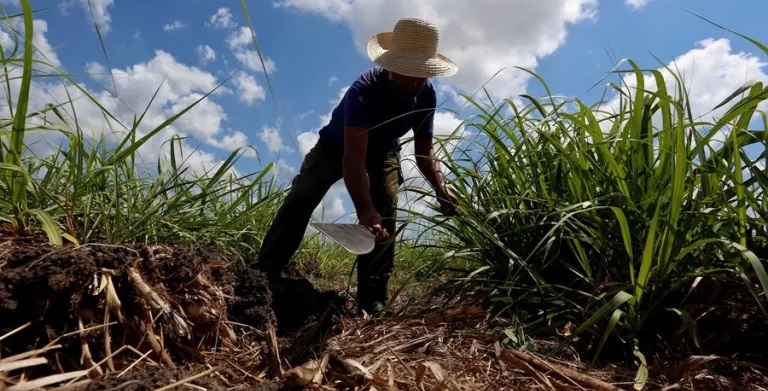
{"points": [[374, 268], [319, 171]]}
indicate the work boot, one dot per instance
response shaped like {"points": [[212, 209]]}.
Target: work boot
{"points": [[373, 309], [371, 296]]}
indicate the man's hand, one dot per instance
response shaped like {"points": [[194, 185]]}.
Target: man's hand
{"points": [[372, 219], [425, 160], [357, 182], [448, 202]]}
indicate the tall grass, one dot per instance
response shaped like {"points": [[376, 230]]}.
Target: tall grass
{"points": [[606, 216], [99, 189]]}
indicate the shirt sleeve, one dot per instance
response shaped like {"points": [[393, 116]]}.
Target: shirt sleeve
{"points": [[355, 107], [424, 118]]}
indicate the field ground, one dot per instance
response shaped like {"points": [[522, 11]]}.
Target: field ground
{"points": [[177, 315]]}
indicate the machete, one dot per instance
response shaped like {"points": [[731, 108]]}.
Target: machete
{"points": [[355, 238]]}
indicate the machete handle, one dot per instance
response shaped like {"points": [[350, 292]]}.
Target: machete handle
{"points": [[381, 236]]}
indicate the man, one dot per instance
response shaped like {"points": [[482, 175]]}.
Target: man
{"points": [[361, 145]]}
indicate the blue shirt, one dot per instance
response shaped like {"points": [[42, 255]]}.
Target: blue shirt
{"points": [[370, 102]]}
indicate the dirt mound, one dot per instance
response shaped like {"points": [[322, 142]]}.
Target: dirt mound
{"points": [[108, 305], [64, 290]]}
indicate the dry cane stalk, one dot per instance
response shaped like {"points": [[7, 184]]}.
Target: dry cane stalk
{"points": [[85, 355], [562, 372], [178, 325], [25, 363], [154, 342], [46, 381], [273, 351], [108, 342], [14, 331]]}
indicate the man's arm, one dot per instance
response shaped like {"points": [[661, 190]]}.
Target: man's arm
{"points": [[355, 147], [355, 174], [427, 164], [356, 126], [423, 129]]}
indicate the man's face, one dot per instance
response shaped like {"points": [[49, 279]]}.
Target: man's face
{"points": [[407, 84]]}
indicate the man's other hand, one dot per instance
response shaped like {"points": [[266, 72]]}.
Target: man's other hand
{"points": [[448, 202]]}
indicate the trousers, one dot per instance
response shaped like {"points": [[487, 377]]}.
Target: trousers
{"points": [[321, 168]]}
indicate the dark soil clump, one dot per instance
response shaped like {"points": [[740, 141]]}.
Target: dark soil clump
{"points": [[150, 380], [174, 301], [252, 291], [297, 303]]}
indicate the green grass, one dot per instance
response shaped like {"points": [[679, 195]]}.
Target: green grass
{"points": [[100, 190], [607, 216], [570, 212]]}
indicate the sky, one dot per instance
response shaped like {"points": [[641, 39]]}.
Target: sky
{"points": [[186, 48]]}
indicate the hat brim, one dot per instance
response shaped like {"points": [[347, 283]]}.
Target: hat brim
{"points": [[408, 64]]}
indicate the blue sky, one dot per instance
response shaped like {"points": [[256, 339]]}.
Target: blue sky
{"points": [[313, 48]]}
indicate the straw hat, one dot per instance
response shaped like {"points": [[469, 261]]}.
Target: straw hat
{"points": [[410, 49]]}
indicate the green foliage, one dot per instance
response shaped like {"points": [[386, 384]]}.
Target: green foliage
{"points": [[604, 214], [100, 190]]}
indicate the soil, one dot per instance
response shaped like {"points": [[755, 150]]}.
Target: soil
{"points": [[190, 307], [148, 380], [187, 298]]}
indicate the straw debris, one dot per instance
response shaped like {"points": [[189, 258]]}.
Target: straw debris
{"points": [[172, 317]]}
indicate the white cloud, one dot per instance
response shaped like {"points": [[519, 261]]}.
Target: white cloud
{"points": [[332, 208], [250, 91], [239, 41], [137, 83], [272, 139], [96, 70], [239, 38], [175, 25], [205, 54], [308, 139], [64, 6], [482, 37], [221, 19], [250, 58], [636, 4], [710, 73], [285, 170], [42, 51], [234, 141], [99, 10], [177, 85], [202, 121], [41, 43]]}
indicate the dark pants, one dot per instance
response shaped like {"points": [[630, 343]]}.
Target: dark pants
{"points": [[322, 167]]}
